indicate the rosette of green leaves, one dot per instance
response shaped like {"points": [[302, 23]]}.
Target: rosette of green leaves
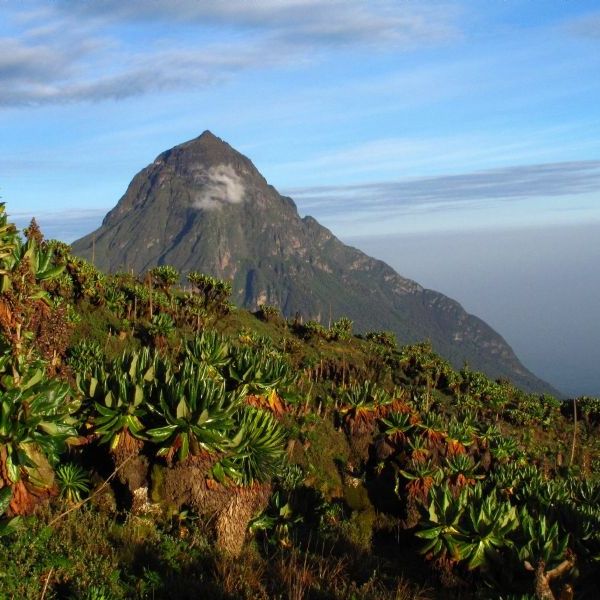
{"points": [[470, 527], [397, 425], [73, 481], [341, 329], [257, 451], [485, 530], [40, 258], [161, 325], [540, 539], [441, 531], [196, 411], [258, 372], [215, 292], [35, 420], [210, 349], [121, 394], [85, 357], [462, 466], [164, 276]]}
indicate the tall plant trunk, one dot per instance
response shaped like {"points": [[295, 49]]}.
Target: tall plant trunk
{"points": [[232, 522], [574, 432], [544, 578]]}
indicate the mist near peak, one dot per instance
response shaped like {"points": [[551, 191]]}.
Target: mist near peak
{"points": [[221, 185]]}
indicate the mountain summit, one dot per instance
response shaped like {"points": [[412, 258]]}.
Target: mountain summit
{"points": [[203, 206]]}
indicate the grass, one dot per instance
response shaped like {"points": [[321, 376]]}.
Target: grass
{"points": [[90, 555]]}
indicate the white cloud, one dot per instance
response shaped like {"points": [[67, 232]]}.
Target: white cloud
{"points": [[74, 52], [305, 22], [220, 185]]}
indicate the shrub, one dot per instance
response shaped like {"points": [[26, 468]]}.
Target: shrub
{"points": [[268, 313], [341, 329], [384, 338]]}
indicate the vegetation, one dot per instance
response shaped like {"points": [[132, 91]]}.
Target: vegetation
{"points": [[157, 443]]}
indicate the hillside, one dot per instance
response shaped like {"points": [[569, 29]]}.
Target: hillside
{"points": [[162, 443], [203, 206]]}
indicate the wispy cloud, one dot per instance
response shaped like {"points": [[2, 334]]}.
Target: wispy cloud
{"points": [[452, 191], [440, 153], [72, 79], [379, 22], [71, 52]]}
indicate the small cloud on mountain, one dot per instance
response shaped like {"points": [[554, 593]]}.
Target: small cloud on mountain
{"points": [[221, 185]]}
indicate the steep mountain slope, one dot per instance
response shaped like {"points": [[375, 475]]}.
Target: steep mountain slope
{"points": [[203, 206]]}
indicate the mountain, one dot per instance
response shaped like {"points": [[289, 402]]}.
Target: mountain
{"points": [[203, 206]]}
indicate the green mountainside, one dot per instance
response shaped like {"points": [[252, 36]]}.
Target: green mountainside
{"points": [[202, 206], [158, 442], [161, 443]]}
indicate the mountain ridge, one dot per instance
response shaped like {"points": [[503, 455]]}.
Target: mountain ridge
{"points": [[203, 206]]}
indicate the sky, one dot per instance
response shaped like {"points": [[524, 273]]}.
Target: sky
{"points": [[459, 141]]}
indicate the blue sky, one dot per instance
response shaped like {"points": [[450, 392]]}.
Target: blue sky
{"points": [[380, 118]]}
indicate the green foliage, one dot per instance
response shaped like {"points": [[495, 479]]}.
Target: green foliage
{"points": [[259, 372], [314, 329], [196, 414], [503, 448], [421, 476], [161, 325], [257, 451], [215, 292], [7, 526], [73, 482], [85, 357], [358, 529], [164, 276], [120, 393], [115, 299], [397, 426], [9, 243], [469, 527], [268, 313], [462, 469], [384, 338], [210, 349], [36, 415], [590, 407], [277, 521], [19, 258], [341, 329], [87, 281], [291, 477], [540, 539], [482, 459]]}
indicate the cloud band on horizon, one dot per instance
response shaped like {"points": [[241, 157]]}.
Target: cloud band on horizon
{"points": [[538, 180], [382, 201]]}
